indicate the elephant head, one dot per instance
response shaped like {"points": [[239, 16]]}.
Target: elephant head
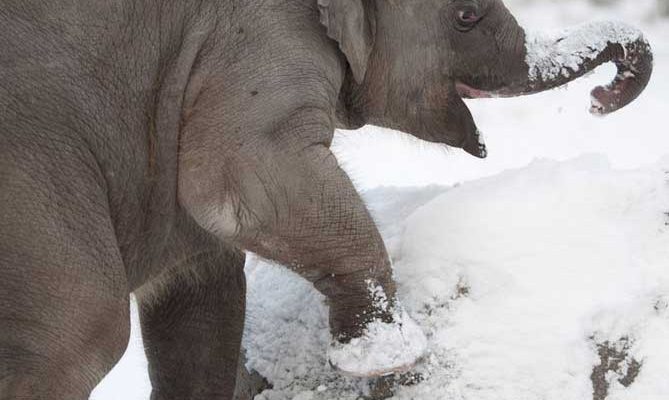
{"points": [[412, 63]]}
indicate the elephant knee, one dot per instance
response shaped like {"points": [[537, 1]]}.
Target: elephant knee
{"points": [[231, 207], [208, 200], [219, 218]]}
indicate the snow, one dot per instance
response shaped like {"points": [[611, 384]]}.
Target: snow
{"points": [[519, 269], [382, 349], [563, 251], [550, 55], [515, 279]]}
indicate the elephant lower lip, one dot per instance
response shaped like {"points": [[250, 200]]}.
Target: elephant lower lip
{"points": [[468, 92]]}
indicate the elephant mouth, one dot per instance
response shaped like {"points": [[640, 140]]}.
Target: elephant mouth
{"points": [[467, 92]]}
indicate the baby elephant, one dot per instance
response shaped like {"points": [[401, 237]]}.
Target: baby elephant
{"points": [[145, 145]]}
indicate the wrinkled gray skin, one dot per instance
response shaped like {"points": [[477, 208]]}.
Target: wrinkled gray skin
{"points": [[145, 144]]}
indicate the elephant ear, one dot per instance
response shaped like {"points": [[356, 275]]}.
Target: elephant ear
{"points": [[348, 22]]}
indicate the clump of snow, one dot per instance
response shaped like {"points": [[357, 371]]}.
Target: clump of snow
{"points": [[384, 348], [378, 295], [515, 279], [550, 55]]}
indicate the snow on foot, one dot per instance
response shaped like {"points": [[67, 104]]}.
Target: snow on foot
{"points": [[384, 348]]}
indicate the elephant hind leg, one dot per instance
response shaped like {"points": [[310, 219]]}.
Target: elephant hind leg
{"points": [[192, 318], [64, 313]]}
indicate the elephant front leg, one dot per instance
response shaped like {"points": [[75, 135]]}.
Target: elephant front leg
{"points": [[301, 209]]}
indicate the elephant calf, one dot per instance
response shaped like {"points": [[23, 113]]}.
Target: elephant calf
{"points": [[146, 144]]}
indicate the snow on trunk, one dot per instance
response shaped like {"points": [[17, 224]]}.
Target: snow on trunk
{"points": [[560, 53]]}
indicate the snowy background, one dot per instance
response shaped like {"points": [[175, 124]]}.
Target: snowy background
{"points": [[533, 273]]}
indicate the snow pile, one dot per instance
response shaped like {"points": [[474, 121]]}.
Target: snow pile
{"points": [[522, 282], [550, 55]]}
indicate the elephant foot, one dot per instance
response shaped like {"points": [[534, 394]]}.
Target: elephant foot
{"points": [[383, 348]]}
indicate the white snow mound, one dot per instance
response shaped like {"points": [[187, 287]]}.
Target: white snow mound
{"points": [[518, 281]]}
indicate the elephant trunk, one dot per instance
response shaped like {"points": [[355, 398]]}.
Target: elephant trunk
{"points": [[556, 60]]}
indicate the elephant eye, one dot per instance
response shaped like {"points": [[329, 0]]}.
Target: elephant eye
{"points": [[467, 17]]}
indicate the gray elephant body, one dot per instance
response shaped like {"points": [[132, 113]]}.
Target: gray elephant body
{"points": [[145, 144], [93, 98]]}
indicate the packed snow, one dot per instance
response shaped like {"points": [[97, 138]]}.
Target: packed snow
{"points": [[383, 348], [540, 273], [550, 55]]}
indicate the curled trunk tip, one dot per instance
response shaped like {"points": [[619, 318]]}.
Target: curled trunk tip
{"points": [[554, 60]]}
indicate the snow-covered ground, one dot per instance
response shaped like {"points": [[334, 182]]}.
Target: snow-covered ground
{"points": [[515, 278], [525, 270]]}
